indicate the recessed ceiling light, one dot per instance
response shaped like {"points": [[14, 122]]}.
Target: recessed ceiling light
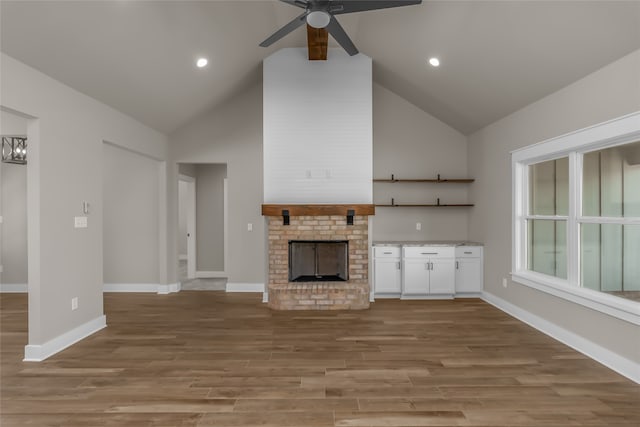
{"points": [[202, 62], [435, 62]]}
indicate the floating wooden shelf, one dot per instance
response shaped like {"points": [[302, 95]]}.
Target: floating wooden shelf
{"points": [[427, 206], [315, 210], [438, 181]]}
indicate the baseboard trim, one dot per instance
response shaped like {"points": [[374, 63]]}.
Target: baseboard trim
{"points": [[38, 353], [169, 289], [265, 297], [468, 295], [13, 288], [614, 361], [142, 287], [210, 274], [245, 287]]}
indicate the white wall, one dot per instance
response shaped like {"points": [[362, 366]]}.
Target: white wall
{"points": [[130, 217], [210, 216], [188, 170], [409, 143], [608, 93], [13, 209], [182, 218], [232, 134], [317, 128], [65, 160]]}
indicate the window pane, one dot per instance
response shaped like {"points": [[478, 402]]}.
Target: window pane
{"points": [[610, 255], [611, 182], [549, 187], [548, 247]]}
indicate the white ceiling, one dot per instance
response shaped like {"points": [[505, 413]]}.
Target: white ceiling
{"points": [[497, 56]]}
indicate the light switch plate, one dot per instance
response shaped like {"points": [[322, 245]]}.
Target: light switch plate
{"points": [[80, 222]]}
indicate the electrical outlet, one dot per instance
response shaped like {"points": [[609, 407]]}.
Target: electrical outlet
{"points": [[504, 282], [249, 227], [418, 226], [74, 303]]}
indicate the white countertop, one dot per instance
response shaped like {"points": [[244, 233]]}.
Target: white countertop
{"points": [[426, 243]]}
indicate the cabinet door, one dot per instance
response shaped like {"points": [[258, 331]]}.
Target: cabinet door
{"points": [[468, 275], [442, 276], [387, 276], [415, 276]]}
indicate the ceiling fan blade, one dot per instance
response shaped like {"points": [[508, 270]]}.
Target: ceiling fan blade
{"points": [[297, 22], [297, 3], [338, 33], [339, 7]]}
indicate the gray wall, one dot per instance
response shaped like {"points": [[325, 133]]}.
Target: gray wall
{"points": [[608, 93], [232, 134], [210, 216], [131, 217], [65, 161], [187, 169], [409, 143], [13, 209]]}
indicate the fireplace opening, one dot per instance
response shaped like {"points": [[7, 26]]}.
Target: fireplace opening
{"points": [[318, 260]]}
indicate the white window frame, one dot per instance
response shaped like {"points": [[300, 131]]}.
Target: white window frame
{"points": [[615, 132]]}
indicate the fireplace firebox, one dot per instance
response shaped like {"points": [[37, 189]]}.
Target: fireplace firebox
{"points": [[318, 260]]}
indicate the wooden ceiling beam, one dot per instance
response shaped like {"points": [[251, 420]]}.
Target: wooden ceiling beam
{"points": [[317, 41]]}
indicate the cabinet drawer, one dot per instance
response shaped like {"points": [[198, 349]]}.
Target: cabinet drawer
{"points": [[429, 252], [468, 252], [386, 251]]}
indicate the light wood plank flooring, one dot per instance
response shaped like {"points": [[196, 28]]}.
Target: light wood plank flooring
{"points": [[216, 359]]}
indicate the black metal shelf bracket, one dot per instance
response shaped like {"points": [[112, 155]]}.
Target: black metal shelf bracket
{"points": [[350, 215]]}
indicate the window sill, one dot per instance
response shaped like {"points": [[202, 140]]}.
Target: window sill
{"points": [[619, 308]]}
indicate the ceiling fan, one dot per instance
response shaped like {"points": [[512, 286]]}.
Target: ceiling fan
{"points": [[320, 14]]}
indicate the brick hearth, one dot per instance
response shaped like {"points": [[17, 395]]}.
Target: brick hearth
{"points": [[352, 294]]}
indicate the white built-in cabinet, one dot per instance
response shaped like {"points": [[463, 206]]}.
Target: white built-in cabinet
{"points": [[469, 271], [386, 271], [426, 271]]}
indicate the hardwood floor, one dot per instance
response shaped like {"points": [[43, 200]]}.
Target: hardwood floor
{"points": [[215, 359]]}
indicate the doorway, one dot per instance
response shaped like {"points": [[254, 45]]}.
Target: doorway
{"points": [[202, 226], [13, 208]]}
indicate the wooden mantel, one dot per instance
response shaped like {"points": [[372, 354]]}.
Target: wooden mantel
{"points": [[317, 210]]}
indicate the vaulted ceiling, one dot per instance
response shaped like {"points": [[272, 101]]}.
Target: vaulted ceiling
{"points": [[497, 56]]}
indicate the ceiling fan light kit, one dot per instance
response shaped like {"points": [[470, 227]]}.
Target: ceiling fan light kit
{"points": [[321, 14], [318, 19]]}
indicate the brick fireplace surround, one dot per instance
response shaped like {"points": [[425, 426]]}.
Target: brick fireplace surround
{"points": [[324, 222]]}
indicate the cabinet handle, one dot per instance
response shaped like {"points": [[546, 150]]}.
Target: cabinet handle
{"points": [[428, 253], [398, 265], [389, 253], [468, 253], [431, 266], [457, 265]]}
